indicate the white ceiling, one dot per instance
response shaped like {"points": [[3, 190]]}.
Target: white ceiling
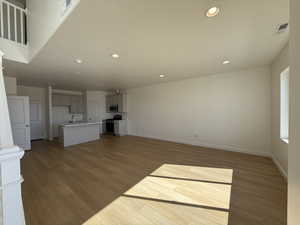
{"points": [[20, 3], [172, 37]]}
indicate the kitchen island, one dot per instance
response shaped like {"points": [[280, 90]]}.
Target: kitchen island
{"points": [[80, 132]]}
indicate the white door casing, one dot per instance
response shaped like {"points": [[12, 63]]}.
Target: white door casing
{"points": [[20, 120], [36, 125]]}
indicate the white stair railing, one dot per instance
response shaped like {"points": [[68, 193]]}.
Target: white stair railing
{"points": [[13, 22]]}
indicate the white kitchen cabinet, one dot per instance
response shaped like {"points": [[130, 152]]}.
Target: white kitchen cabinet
{"points": [[75, 102], [109, 102], [103, 127], [122, 102], [73, 134], [119, 100], [120, 127], [61, 100]]}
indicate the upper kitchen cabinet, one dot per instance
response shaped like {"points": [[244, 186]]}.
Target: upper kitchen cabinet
{"points": [[74, 102], [116, 103], [122, 102], [77, 105], [61, 100], [109, 102]]}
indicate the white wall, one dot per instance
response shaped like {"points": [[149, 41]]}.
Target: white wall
{"points": [[294, 146], [44, 19], [10, 85], [60, 115], [96, 106], [36, 94], [227, 111], [279, 148]]}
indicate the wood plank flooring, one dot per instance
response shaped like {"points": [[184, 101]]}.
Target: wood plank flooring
{"points": [[131, 180]]}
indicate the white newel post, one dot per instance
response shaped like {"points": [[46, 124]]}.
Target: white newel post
{"points": [[12, 212]]}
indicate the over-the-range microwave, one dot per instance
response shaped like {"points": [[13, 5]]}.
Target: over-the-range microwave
{"points": [[113, 108]]}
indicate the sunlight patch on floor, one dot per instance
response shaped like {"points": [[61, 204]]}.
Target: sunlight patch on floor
{"points": [[173, 195], [129, 211], [182, 191], [195, 172]]}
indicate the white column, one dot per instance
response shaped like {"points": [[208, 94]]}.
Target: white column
{"points": [[50, 118], [6, 139], [294, 142], [12, 212]]}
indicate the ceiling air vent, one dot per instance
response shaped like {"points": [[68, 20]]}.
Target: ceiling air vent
{"points": [[282, 27]]}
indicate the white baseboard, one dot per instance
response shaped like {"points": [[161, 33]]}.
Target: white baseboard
{"points": [[281, 169], [213, 146], [224, 148]]}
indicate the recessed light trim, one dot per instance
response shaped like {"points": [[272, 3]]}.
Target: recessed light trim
{"points": [[213, 11], [225, 62], [78, 61], [115, 56], [162, 76]]}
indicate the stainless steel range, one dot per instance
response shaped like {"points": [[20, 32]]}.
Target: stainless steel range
{"points": [[109, 124]]}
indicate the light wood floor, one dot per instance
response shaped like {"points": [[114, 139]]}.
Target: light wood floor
{"points": [[137, 181]]}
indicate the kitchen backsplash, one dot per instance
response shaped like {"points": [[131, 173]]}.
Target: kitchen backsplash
{"points": [[61, 114]]}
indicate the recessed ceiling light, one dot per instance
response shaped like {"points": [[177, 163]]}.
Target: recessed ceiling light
{"points": [[162, 76], [115, 56], [226, 62], [79, 61], [213, 11]]}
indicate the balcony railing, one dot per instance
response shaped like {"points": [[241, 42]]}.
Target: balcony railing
{"points": [[13, 22]]}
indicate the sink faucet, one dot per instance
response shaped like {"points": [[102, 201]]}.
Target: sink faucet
{"points": [[73, 119]]}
